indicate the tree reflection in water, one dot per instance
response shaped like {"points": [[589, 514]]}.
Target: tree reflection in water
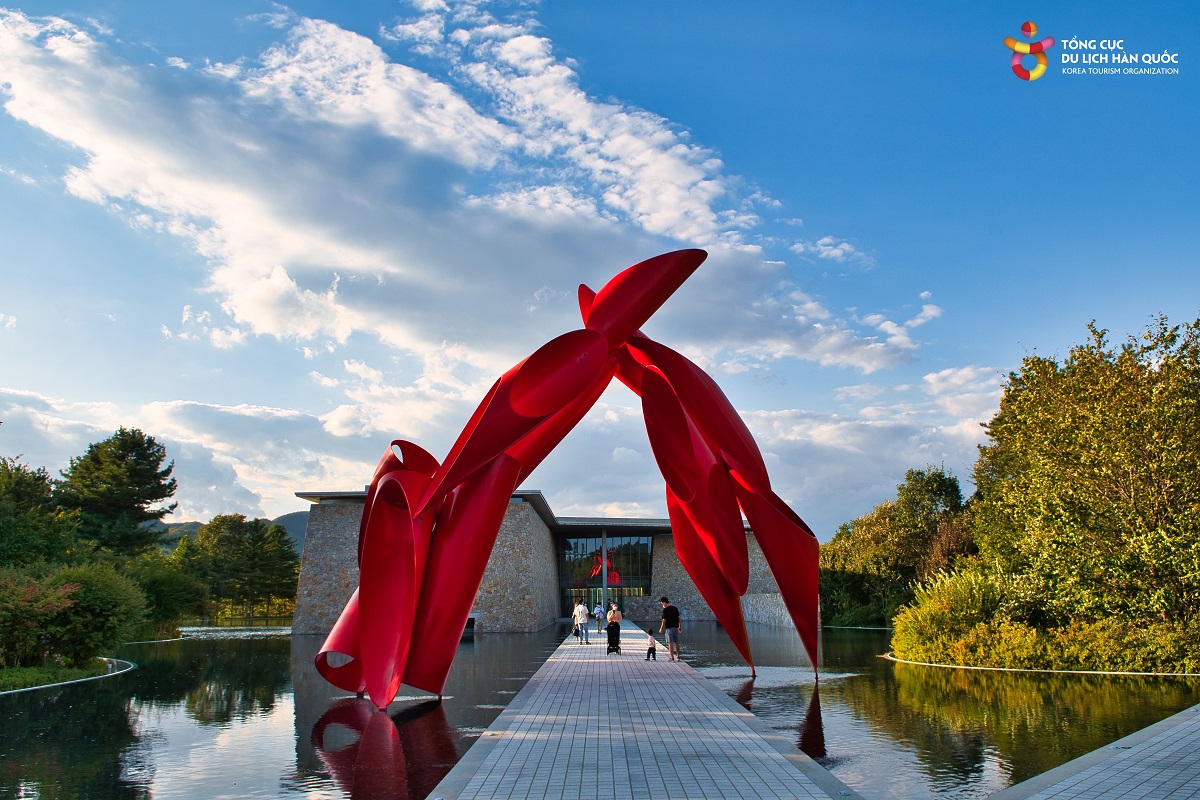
{"points": [[1035, 721], [218, 683]]}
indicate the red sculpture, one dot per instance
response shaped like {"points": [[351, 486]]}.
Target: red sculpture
{"points": [[427, 529]]}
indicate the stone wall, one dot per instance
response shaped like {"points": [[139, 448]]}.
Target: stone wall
{"points": [[329, 567], [519, 590], [762, 602]]}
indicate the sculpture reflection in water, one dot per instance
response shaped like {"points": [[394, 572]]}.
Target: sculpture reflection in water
{"points": [[811, 741], [812, 730], [428, 528], [402, 756]]}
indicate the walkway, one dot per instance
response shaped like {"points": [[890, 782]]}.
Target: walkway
{"points": [[1161, 762], [592, 725]]}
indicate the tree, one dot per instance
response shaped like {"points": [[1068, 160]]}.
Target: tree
{"points": [[172, 594], [31, 528], [870, 565], [115, 486], [243, 562], [1089, 487], [1087, 518]]}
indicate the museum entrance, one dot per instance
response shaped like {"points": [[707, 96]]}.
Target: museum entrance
{"points": [[599, 567]]}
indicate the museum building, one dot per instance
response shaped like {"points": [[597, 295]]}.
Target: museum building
{"points": [[540, 567]]}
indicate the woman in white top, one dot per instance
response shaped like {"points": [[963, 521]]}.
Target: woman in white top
{"points": [[581, 622]]}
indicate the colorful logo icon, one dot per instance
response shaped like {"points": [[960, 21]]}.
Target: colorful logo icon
{"points": [[1035, 49]]}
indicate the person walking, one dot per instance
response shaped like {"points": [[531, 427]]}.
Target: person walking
{"points": [[581, 622], [598, 612], [651, 647], [670, 625]]}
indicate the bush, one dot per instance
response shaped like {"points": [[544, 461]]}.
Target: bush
{"points": [[171, 594], [27, 609], [106, 609], [945, 610], [934, 632], [1114, 645], [28, 677]]}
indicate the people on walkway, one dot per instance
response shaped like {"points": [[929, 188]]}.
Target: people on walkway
{"points": [[670, 625], [614, 629], [581, 622], [652, 647], [598, 612]]}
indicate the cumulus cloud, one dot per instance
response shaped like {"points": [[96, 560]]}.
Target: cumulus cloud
{"points": [[832, 249]]}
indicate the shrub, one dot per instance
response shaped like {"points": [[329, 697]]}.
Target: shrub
{"points": [[27, 609], [28, 677], [1114, 645], [944, 610], [106, 608], [171, 594]]}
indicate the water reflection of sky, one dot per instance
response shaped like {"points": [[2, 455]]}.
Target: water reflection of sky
{"points": [[248, 758]]}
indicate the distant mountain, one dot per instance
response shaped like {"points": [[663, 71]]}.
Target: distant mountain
{"points": [[171, 532], [296, 524]]}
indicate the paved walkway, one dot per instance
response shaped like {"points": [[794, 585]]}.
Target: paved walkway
{"points": [[592, 725], [1161, 762]]}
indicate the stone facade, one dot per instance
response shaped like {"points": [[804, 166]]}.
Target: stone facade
{"points": [[520, 588], [329, 566], [762, 602]]}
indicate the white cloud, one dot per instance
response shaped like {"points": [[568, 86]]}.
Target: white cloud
{"points": [[832, 249]]}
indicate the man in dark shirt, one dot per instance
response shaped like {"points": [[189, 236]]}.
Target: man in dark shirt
{"points": [[671, 626]]}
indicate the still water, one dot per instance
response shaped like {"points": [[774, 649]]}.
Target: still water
{"points": [[249, 718]]}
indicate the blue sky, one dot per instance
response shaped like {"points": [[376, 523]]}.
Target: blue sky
{"points": [[275, 237]]}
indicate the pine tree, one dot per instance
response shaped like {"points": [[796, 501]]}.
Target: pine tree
{"points": [[114, 486]]}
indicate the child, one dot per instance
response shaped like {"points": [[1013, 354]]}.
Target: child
{"points": [[652, 650]]}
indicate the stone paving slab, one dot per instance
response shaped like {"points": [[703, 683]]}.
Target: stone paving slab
{"points": [[588, 724], [1161, 762]]}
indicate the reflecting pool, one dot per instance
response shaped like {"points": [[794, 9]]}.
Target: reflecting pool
{"points": [[238, 716], [893, 730]]}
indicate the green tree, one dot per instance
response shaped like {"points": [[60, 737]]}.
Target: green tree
{"points": [[1087, 517], [106, 609], [1090, 483], [277, 564], [243, 562], [172, 593], [32, 529], [872, 562], [115, 486]]}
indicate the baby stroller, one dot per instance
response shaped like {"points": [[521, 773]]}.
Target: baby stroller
{"points": [[614, 638]]}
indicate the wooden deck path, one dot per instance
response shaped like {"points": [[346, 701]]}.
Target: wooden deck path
{"points": [[593, 725]]}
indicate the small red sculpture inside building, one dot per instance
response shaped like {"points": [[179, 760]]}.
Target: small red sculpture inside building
{"points": [[428, 528]]}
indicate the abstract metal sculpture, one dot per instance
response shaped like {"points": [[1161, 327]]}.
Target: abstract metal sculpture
{"points": [[427, 529]]}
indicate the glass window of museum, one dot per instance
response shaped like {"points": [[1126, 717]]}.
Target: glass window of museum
{"points": [[581, 568]]}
